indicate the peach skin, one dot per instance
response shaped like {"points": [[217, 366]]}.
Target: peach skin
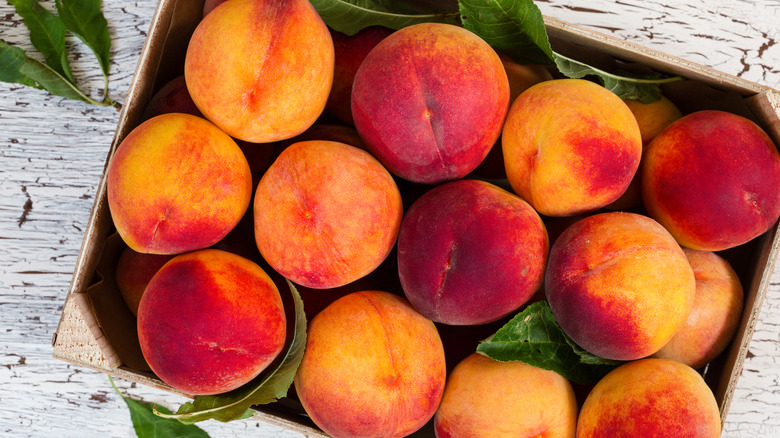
{"points": [[470, 253], [350, 50], [177, 183], [326, 214], [372, 367], [570, 146], [134, 270], [429, 101], [652, 119], [260, 69], [711, 178], [619, 285], [491, 399], [210, 321], [717, 310], [650, 398]]}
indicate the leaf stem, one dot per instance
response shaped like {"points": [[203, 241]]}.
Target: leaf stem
{"points": [[114, 385], [619, 77], [395, 14]]}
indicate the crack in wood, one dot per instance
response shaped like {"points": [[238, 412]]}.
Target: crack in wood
{"points": [[27, 208]]}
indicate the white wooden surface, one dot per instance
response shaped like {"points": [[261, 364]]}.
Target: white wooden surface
{"points": [[52, 153]]}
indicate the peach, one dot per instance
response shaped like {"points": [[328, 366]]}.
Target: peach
{"points": [[619, 285], [522, 76], [177, 183], [372, 367], [134, 270], [570, 146], [711, 178], [652, 118], [260, 69], [210, 321], [429, 101], [173, 97], [717, 310], [650, 398], [326, 214], [491, 399], [350, 50], [470, 253]]}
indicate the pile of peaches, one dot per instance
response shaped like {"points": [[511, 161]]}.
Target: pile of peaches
{"points": [[421, 189]]}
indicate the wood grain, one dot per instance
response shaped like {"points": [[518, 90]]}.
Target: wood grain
{"points": [[52, 153]]}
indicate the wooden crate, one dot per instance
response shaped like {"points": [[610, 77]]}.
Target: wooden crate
{"points": [[97, 330]]}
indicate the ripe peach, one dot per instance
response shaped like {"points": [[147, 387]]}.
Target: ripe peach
{"points": [[177, 183], [619, 285], [492, 399], [173, 97], [570, 146], [470, 253], [429, 101], [652, 119], [650, 398], [522, 76], [326, 214], [260, 69], [373, 366], [711, 178], [210, 321], [134, 270], [350, 51], [717, 310]]}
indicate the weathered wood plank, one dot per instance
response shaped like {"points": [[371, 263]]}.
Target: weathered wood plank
{"points": [[52, 153]]}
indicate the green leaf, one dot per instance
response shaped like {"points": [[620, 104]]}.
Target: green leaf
{"points": [[47, 34], [533, 337], [350, 16], [148, 425], [17, 67], [646, 89], [11, 61], [515, 27], [85, 19], [270, 387]]}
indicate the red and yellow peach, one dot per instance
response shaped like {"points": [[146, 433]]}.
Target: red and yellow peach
{"points": [[470, 253], [429, 101], [210, 321], [491, 399], [134, 271], [259, 69], [570, 146], [373, 366], [650, 398], [711, 179], [717, 310], [177, 183], [619, 285], [326, 214]]}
